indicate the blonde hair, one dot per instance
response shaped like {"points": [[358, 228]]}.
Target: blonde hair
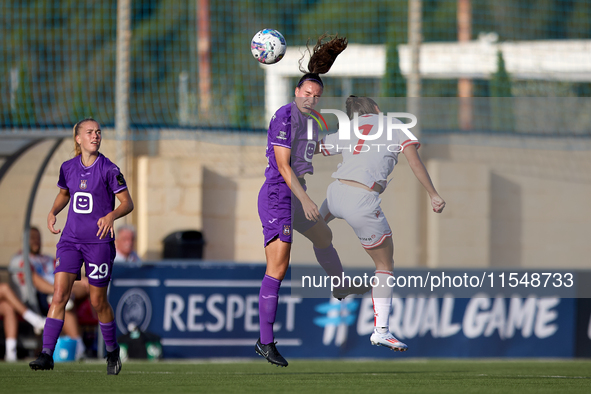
{"points": [[77, 127]]}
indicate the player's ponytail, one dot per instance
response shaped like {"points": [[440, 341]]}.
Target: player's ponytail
{"points": [[360, 105], [77, 127], [322, 58]]}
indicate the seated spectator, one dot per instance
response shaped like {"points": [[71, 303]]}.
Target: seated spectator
{"points": [[10, 306], [125, 245], [42, 267]]}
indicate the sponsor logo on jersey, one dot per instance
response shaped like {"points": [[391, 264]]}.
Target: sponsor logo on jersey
{"points": [[120, 180], [286, 229], [282, 135], [83, 184], [57, 262], [310, 149], [82, 202]]}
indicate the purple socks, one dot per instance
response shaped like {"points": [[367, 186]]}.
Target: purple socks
{"points": [[268, 298], [109, 335], [328, 258], [51, 332]]}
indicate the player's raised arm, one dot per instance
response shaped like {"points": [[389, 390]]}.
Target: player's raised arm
{"points": [[61, 200], [418, 168]]}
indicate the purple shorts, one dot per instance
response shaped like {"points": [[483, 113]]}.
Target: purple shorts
{"points": [[96, 257], [279, 213]]}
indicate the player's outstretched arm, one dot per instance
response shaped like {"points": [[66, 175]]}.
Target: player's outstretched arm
{"points": [[105, 223], [61, 200], [283, 156], [418, 168]]}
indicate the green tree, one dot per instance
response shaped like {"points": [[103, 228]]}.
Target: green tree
{"points": [[23, 113], [500, 84], [81, 108], [240, 110], [393, 83], [503, 118]]}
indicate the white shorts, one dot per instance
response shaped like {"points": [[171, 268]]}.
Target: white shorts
{"points": [[361, 209]]}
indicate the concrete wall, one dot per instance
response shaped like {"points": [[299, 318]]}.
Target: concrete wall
{"points": [[510, 202], [205, 186], [168, 199]]}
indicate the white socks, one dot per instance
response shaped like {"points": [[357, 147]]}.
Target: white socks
{"points": [[10, 354], [37, 321], [80, 348], [382, 299]]}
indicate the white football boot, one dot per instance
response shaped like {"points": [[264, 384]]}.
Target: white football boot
{"points": [[388, 340]]}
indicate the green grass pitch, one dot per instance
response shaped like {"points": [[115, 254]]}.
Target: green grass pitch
{"points": [[306, 376]]}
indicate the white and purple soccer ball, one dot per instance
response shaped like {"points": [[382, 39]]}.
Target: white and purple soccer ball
{"points": [[268, 46]]}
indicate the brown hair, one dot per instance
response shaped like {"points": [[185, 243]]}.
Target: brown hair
{"points": [[322, 57], [360, 105], [77, 127]]}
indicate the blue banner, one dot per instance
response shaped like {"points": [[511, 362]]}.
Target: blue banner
{"points": [[211, 310]]}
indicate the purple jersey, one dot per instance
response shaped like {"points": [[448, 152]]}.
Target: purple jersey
{"points": [[288, 128], [92, 196]]}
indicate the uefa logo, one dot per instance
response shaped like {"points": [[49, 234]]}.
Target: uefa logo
{"points": [[134, 307]]}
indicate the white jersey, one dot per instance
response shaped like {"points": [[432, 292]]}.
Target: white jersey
{"points": [[42, 264], [367, 161]]}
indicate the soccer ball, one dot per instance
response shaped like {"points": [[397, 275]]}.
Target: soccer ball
{"points": [[268, 46]]}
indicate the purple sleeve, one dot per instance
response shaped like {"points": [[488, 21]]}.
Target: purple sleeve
{"points": [[61, 183], [115, 179], [280, 131]]}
